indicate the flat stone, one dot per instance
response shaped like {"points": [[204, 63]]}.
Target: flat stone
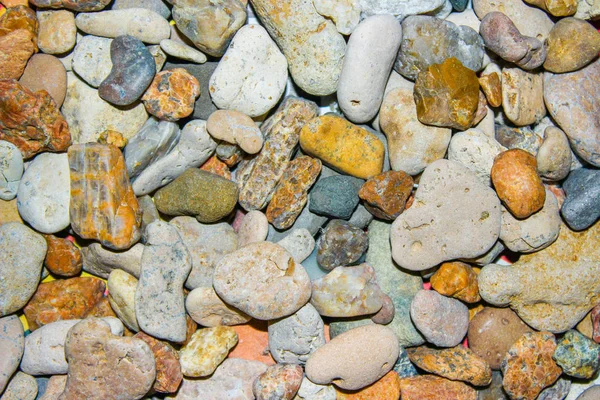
{"points": [[21, 387], [335, 196], [11, 170], [207, 309], [12, 343], [91, 59], [46, 72], [579, 209], [168, 368], [572, 44], [206, 350], [280, 381], [341, 244], [299, 243], [410, 7], [57, 31], [172, 94], [63, 257], [100, 261], [121, 296], [75, 5], [522, 96], [182, 51], [577, 355]]}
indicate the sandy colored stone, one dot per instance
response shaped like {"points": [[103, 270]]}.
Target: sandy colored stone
{"points": [[528, 366], [253, 228], [168, 369], [492, 87], [143, 24], [457, 364], [63, 257], [236, 128], [58, 32], [458, 280], [554, 156], [343, 146], [172, 94], [121, 296], [522, 96], [207, 309], [279, 381], [572, 44], [558, 8], [345, 13], [431, 387], [18, 40], [100, 261], [206, 350], [9, 212], [21, 387], [46, 72], [115, 138], [54, 388], [385, 194], [12, 343], [291, 194], [103, 205], [386, 388], [75, 5]]}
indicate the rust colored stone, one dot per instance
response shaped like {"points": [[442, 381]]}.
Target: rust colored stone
{"points": [[279, 381], [216, 166], [20, 17], [528, 367], [291, 193], [18, 40], [168, 368], [458, 280], [75, 5], [282, 133], [491, 84], [103, 205], [457, 364], [172, 94], [14, 3], [431, 387], [514, 175], [253, 342], [385, 195], [474, 309], [595, 314], [31, 121], [447, 95], [63, 257], [112, 137], [191, 328], [387, 388], [64, 299]]}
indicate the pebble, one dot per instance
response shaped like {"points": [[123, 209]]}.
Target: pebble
{"points": [[335, 196], [554, 156], [558, 8], [523, 138], [133, 69], [11, 170], [207, 244], [577, 355], [45, 347], [580, 210], [528, 366], [63, 257], [19, 33], [534, 233], [522, 96], [368, 61], [412, 144], [387, 387], [253, 228], [21, 387], [311, 43], [457, 364], [91, 59], [172, 94], [311, 391], [450, 198], [354, 359], [22, 253], [344, 13], [553, 299], [252, 75], [491, 85], [428, 40], [12, 343], [236, 128], [158, 6], [299, 243], [385, 195], [54, 387], [168, 368], [207, 309], [121, 295], [280, 381], [306, 220], [143, 24], [410, 7], [210, 25], [160, 57], [590, 394], [206, 350], [435, 387], [88, 115], [262, 280], [204, 106], [572, 44], [182, 51], [492, 331], [101, 261], [57, 32], [341, 244], [75, 5], [195, 146], [216, 166], [518, 185], [96, 367], [442, 320], [204, 195], [558, 390], [46, 72], [159, 300], [456, 279]]}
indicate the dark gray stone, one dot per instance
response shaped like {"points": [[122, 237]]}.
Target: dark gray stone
{"points": [[204, 105], [582, 205], [335, 196], [459, 5]]}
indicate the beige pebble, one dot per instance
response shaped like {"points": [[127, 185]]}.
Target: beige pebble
{"points": [[236, 128]]}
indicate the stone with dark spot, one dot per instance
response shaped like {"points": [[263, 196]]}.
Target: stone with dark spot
{"points": [[172, 94], [577, 355]]}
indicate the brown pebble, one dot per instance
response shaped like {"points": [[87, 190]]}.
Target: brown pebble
{"points": [[492, 88], [63, 257], [168, 368], [172, 94], [279, 381], [46, 72], [18, 40], [458, 280], [572, 44], [386, 194]]}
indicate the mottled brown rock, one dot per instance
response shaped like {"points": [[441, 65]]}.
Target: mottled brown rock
{"points": [[492, 88], [447, 95], [168, 369], [431, 387], [216, 166], [528, 367], [172, 94], [291, 193], [18, 40], [387, 388], [105, 366], [31, 121], [282, 133], [57, 33], [458, 280], [103, 205], [63, 257], [65, 299], [514, 175], [492, 331], [385, 194], [457, 364], [340, 244], [558, 8], [572, 44], [75, 5], [279, 381]]}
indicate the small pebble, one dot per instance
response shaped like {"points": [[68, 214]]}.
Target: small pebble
{"points": [[21, 387], [207, 309], [280, 381], [554, 156], [206, 350], [46, 72], [572, 44], [181, 51], [11, 170], [12, 343], [254, 228], [168, 368], [299, 243], [172, 94], [341, 244], [236, 128], [385, 194], [57, 31], [456, 279], [335, 196], [63, 257], [121, 295]]}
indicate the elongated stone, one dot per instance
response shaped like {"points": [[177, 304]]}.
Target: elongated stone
{"points": [[103, 206], [282, 132], [12, 343], [75, 5]]}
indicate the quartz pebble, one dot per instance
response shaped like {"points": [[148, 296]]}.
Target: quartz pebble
{"points": [[206, 350], [340, 244], [280, 381], [11, 170], [207, 309], [580, 209], [12, 344], [57, 31], [345, 13]]}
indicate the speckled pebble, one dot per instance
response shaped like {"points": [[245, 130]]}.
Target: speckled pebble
{"points": [[341, 244]]}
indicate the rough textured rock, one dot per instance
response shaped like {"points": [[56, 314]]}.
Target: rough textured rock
{"points": [[159, 301], [463, 202], [458, 280], [385, 194], [18, 30], [46, 72], [341, 244], [387, 387], [412, 145], [343, 146], [522, 96], [100, 261], [577, 355], [572, 44], [311, 391], [335, 196], [103, 205], [91, 59], [528, 366], [523, 138], [554, 156], [271, 285], [22, 253], [57, 31], [411, 7], [168, 369], [31, 121], [552, 289], [204, 106], [21, 387], [75, 5], [63, 257], [207, 349], [431, 387], [172, 94], [580, 209], [491, 85], [280, 381], [207, 309], [299, 243], [354, 359], [575, 109], [312, 45], [12, 343], [558, 8]]}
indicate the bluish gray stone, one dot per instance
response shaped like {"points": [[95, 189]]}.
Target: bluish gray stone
{"points": [[403, 366], [459, 5], [582, 204], [577, 355], [335, 196]]}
